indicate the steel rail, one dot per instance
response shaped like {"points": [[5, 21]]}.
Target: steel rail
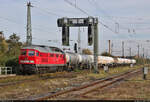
{"points": [[122, 78], [81, 88]]}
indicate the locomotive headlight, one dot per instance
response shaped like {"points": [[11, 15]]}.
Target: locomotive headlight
{"points": [[21, 61], [26, 61], [31, 61]]}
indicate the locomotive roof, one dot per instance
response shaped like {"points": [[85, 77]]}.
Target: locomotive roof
{"points": [[43, 48]]}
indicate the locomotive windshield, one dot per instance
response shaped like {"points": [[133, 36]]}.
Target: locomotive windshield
{"points": [[56, 50], [37, 53], [31, 53], [23, 52]]}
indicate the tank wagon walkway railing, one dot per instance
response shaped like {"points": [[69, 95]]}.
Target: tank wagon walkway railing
{"points": [[5, 70]]}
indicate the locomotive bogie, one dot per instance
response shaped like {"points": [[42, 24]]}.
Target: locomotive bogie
{"points": [[27, 68]]}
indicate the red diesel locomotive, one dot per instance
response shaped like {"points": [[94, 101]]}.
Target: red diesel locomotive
{"points": [[36, 57]]}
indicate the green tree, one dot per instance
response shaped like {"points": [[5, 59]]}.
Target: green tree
{"points": [[3, 46], [3, 51], [9, 51], [106, 54], [14, 45], [86, 51]]}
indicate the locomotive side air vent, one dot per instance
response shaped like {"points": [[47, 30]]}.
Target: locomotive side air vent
{"points": [[44, 60]]}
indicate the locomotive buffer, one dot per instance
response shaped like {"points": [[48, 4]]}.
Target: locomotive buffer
{"points": [[91, 23]]}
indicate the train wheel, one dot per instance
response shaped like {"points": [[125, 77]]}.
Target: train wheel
{"points": [[59, 69], [69, 69], [21, 72], [37, 70], [73, 68], [65, 68]]}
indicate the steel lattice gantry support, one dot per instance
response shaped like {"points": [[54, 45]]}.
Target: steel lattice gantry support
{"points": [[91, 23], [29, 29]]}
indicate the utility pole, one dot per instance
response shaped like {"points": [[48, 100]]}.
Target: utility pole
{"points": [[146, 54], [138, 50], [143, 52], [112, 49], [130, 52], [109, 47], [122, 48], [79, 40], [29, 29]]}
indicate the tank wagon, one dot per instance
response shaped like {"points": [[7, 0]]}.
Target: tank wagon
{"points": [[37, 58]]}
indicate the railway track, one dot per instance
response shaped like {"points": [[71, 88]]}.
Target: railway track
{"points": [[40, 77], [82, 91], [35, 79]]}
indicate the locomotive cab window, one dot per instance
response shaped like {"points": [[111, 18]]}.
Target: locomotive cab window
{"points": [[31, 53], [23, 52], [37, 53], [51, 55], [57, 55]]}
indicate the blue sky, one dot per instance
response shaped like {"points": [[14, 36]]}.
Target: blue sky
{"points": [[130, 14]]}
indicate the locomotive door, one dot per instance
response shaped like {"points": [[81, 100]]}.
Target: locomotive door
{"points": [[57, 59]]}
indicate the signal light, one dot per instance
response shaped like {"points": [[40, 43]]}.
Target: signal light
{"points": [[65, 35], [90, 35], [75, 48]]}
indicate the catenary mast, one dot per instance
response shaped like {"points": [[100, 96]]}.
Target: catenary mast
{"points": [[29, 29]]}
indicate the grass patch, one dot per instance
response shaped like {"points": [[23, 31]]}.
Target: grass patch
{"points": [[112, 71]]}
